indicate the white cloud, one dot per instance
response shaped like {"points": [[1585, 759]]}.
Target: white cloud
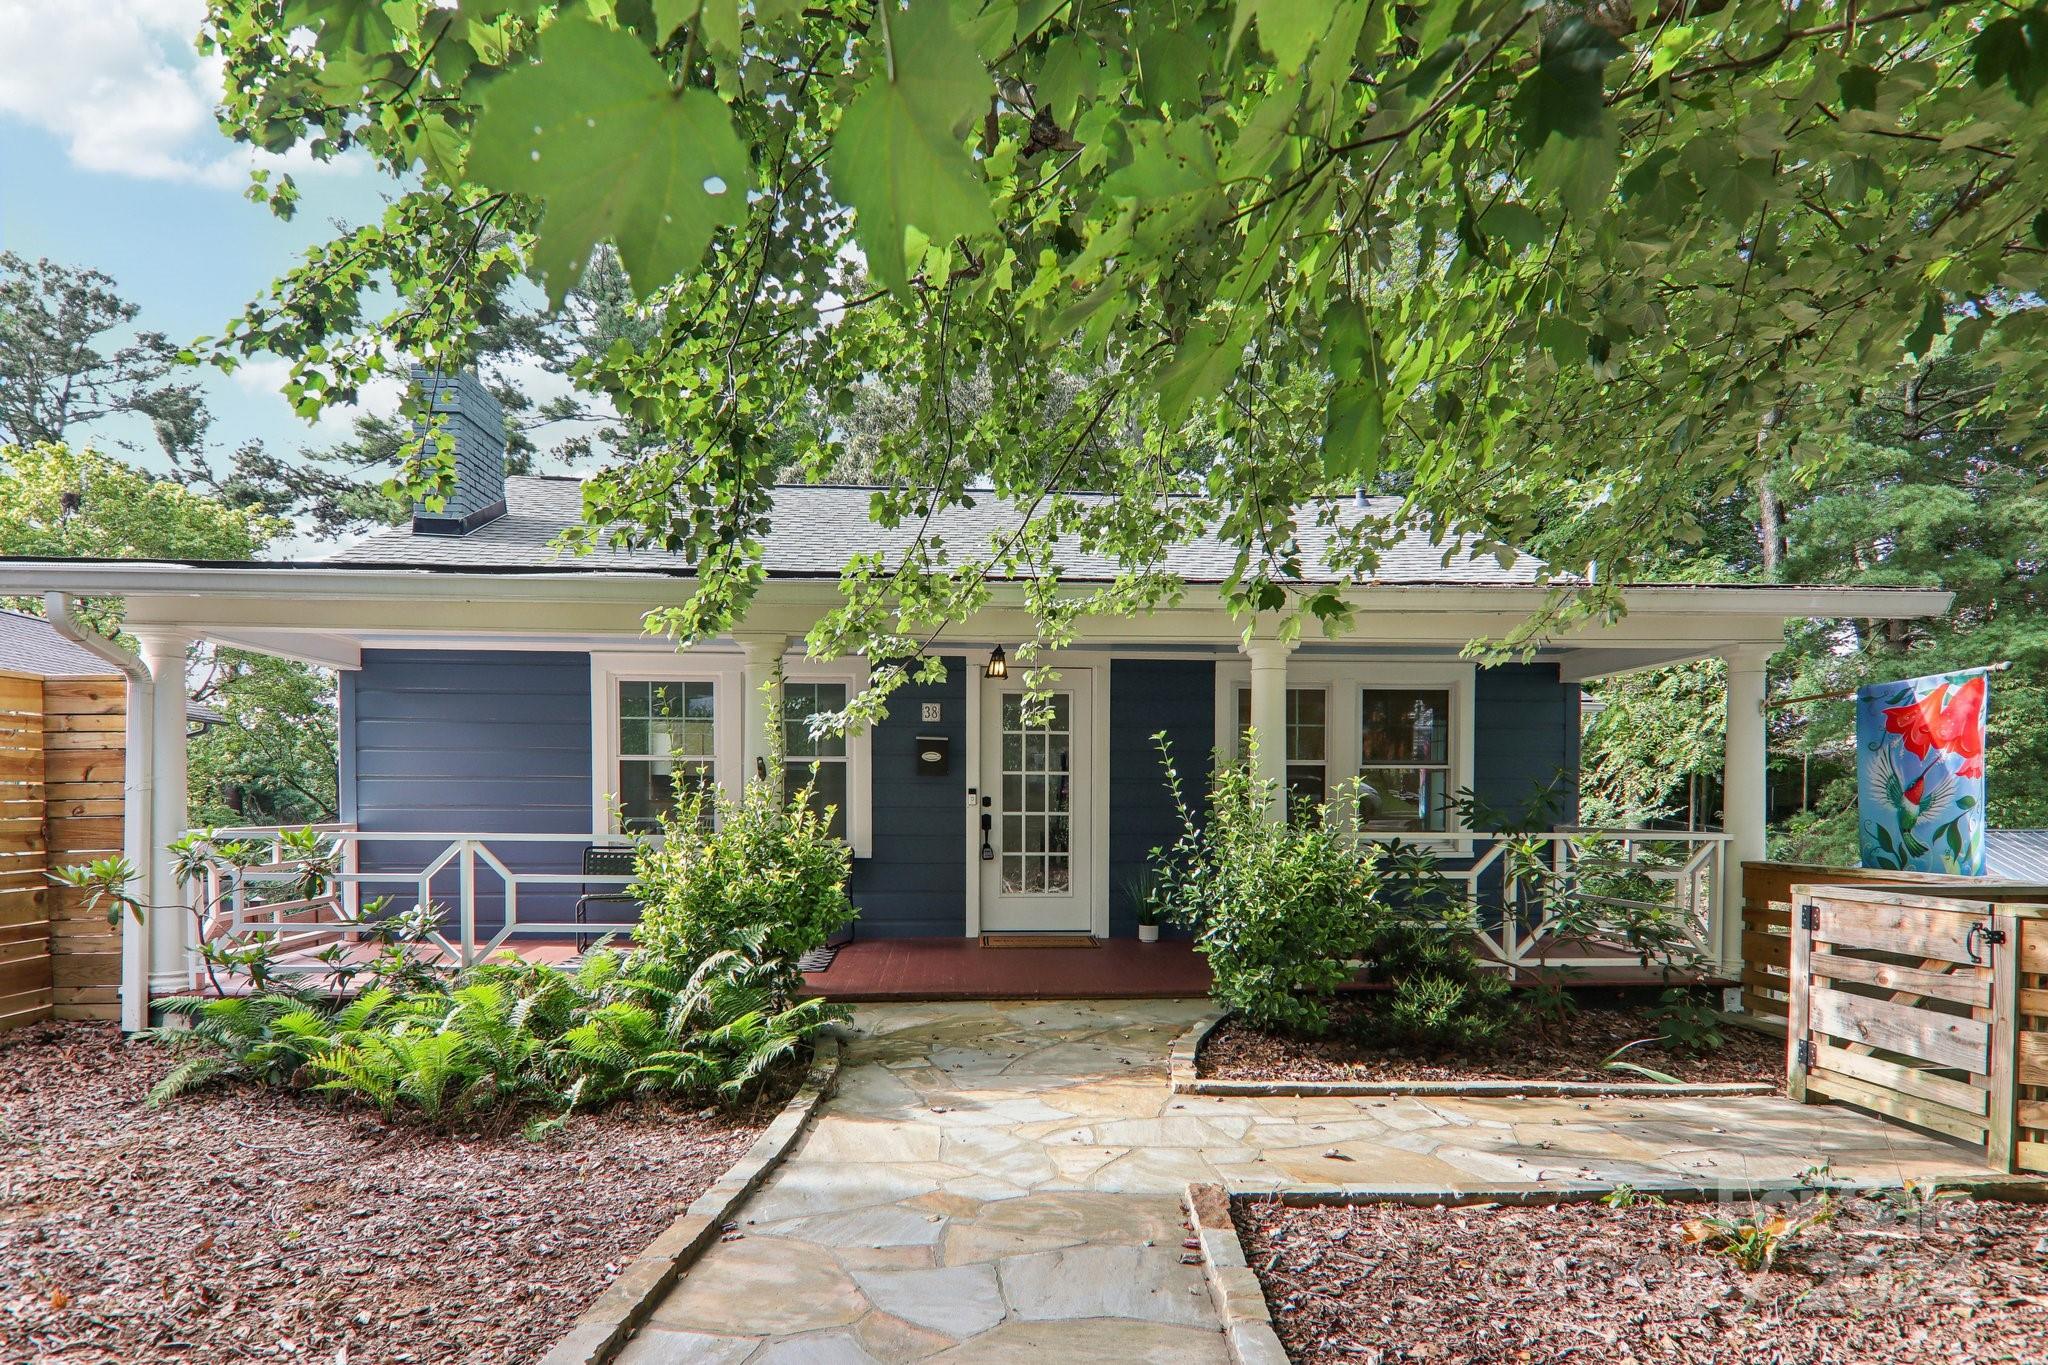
{"points": [[266, 375], [120, 84]]}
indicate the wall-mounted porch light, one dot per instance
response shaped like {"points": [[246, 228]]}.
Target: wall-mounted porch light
{"points": [[998, 666]]}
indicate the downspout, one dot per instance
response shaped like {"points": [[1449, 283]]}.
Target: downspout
{"points": [[137, 786]]}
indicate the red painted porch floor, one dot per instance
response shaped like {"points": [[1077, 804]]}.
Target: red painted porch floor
{"points": [[875, 970]]}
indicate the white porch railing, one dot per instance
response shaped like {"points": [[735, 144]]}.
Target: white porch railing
{"points": [[1511, 881], [333, 909]]}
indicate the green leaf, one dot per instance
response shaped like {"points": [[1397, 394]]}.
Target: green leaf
{"points": [[1920, 340], [1355, 420], [354, 26], [1287, 28], [593, 131], [1069, 74], [1563, 93], [898, 158], [1206, 359], [1516, 224], [1579, 170], [1353, 428], [1170, 68], [1859, 87], [718, 22], [2015, 50]]}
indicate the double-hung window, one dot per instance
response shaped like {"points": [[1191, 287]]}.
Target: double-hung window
{"points": [[666, 724], [1401, 728], [667, 745], [1404, 759], [662, 725], [1307, 742], [814, 758]]}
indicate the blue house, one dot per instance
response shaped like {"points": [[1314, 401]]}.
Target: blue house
{"points": [[503, 709]]}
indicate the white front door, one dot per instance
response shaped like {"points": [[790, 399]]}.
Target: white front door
{"points": [[1037, 860]]}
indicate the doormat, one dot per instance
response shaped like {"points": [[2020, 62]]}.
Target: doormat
{"points": [[1023, 939], [817, 959]]}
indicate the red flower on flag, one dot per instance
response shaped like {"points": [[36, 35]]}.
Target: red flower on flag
{"points": [[1946, 723]]}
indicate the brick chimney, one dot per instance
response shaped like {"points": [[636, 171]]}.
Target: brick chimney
{"points": [[476, 422]]}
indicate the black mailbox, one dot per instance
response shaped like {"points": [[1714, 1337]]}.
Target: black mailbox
{"points": [[934, 755]]}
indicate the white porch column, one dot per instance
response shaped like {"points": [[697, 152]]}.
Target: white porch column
{"points": [[170, 923], [761, 687], [1269, 715], [1744, 796]]}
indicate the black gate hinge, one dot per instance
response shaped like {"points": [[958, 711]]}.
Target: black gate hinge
{"points": [[1809, 915], [1805, 1050]]}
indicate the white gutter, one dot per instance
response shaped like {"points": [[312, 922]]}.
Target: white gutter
{"points": [[318, 583], [137, 788]]}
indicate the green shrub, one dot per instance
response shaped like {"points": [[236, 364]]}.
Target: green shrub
{"points": [[509, 1039], [1281, 911], [1450, 1013], [761, 866], [1445, 997]]}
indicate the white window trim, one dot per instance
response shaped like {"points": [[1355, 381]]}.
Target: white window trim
{"points": [[607, 671], [726, 672], [1343, 680], [1332, 765], [860, 802]]}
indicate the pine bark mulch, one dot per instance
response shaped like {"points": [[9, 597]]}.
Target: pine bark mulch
{"points": [[1571, 1050], [259, 1225], [1953, 1281]]}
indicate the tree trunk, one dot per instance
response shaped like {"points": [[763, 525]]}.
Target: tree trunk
{"points": [[1770, 515]]}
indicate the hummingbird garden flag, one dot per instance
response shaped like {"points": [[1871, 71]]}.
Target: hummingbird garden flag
{"points": [[1920, 773]]}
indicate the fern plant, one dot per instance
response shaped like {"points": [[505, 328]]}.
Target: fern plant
{"points": [[506, 1039]]}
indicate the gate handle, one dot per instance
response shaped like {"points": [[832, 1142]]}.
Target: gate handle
{"points": [[1981, 930]]}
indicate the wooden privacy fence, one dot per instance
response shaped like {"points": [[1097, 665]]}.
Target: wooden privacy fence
{"points": [[1767, 917], [26, 977], [62, 743], [1931, 1009]]}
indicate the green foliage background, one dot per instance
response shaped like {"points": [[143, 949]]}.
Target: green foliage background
{"points": [[272, 759], [1545, 269]]}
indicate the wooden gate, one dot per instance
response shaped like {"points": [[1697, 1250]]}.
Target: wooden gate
{"points": [[1928, 1009], [62, 754]]}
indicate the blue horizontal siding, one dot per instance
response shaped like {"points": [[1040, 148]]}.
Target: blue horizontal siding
{"points": [[471, 742], [1147, 696], [1526, 741], [915, 885], [500, 742]]}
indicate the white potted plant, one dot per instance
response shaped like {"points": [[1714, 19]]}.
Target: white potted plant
{"points": [[1148, 898], [1148, 923]]}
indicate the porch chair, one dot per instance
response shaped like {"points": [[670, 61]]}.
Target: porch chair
{"points": [[604, 860]]}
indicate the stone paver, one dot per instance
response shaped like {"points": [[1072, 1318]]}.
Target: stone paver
{"points": [[1002, 1182]]}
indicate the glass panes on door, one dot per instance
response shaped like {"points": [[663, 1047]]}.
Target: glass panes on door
{"points": [[1404, 765], [1037, 816], [666, 746]]}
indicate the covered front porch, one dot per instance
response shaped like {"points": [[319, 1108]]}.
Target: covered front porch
{"points": [[490, 723], [320, 895]]}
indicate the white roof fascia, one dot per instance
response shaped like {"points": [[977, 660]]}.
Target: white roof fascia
{"points": [[144, 578]]}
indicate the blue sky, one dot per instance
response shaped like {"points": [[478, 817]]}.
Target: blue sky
{"points": [[109, 159]]}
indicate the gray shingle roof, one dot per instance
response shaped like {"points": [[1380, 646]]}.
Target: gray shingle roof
{"points": [[817, 528], [29, 644], [2019, 855]]}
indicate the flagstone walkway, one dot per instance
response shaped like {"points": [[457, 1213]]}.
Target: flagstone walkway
{"points": [[1002, 1182]]}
